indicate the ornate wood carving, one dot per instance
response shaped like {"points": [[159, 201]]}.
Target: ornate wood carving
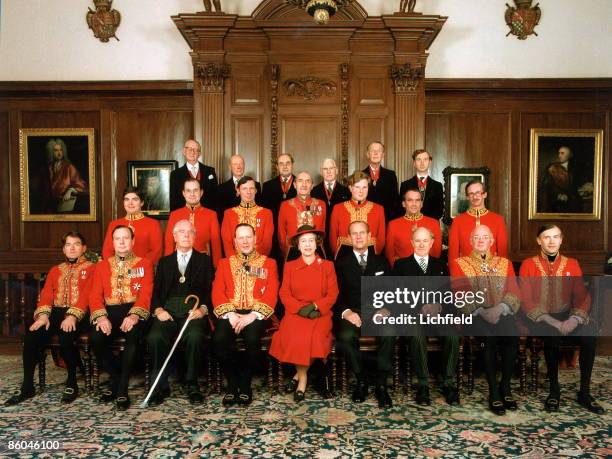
{"points": [[275, 75], [309, 88], [345, 110], [212, 76], [406, 78], [407, 6], [104, 21], [208, 6]]}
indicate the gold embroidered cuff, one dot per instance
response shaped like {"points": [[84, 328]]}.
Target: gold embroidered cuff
{"points": [[42, 310], [140, 312], [223, 309], [580, 313], [512, 301], [76, 312], [263, 309], [97, 314]]}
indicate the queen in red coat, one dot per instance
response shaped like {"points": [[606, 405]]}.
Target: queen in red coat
{"points": [[309, 291]]}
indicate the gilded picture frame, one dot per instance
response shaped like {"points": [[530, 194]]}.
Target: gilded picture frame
{"points": [[455, 180], [565, 174], [57, 169], [153, 178]]}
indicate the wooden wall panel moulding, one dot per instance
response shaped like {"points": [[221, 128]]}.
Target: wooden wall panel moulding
{"points": [[345, 118], [406, 78], [212, 76], [274, 79]]}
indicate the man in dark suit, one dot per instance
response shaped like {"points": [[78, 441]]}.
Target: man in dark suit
{"points": [[277, 190], [227, 195], [420, 263], [361, 261], [383, 189], [206, 175], [331, 192], [182, 273], [431, 191]]}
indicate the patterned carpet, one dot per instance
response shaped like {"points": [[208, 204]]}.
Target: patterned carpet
{"points": [[321, 429]]}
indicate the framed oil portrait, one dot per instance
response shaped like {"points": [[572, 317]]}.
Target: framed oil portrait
{"points": [[565, 174], [58, 174], [153, 178], [455, 196]]}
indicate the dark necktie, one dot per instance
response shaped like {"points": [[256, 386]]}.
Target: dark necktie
{"points": [[362, 263], [422, 264]]}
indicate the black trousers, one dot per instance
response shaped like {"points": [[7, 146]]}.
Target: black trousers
{"points": [[239, 373], [417, 346], [34, 341], [161, 337], [347, 336], [119, 371]]}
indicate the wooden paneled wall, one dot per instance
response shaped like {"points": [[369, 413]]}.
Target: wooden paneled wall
{"points": [[132, 121]]}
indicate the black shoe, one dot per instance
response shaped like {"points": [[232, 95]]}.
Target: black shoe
{"points": [[552, 403], [299, 396], [383, 397], [291, 386], [587, 401], [194, 394], [122, 402], [245, 398], [360, 393], [229, 399], [158, 397], [325, 388], [19, 396], [510, 403], [70, 394], [422, 395], [497, 407], [451, 395], [107, 396]]}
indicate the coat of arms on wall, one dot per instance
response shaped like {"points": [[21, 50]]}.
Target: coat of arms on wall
{"points": [[523, 19], [104, 21]]}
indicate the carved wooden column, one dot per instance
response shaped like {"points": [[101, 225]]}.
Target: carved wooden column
{"points": [[409, 116], [211, 78]]}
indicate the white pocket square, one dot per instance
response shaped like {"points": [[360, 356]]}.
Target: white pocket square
{"points": [[379, 273], [210, 176]]}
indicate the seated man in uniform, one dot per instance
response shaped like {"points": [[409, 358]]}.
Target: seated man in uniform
{"points": [[119, 302], [180, 274], [63, 303], [245, 291]]}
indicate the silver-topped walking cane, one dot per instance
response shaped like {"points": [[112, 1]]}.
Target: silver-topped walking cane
{"points": [[178, 338]]}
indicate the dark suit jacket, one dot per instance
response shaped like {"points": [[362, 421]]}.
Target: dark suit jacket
{"points": [[272, 195], [385, 192], [226, 197], [198, 278], [433, 204], [340, 194], [349, 275], [208, 182]]}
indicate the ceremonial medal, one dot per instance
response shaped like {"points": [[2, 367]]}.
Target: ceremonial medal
{"points": [[182, 279], [284, 195], [374, 183]]}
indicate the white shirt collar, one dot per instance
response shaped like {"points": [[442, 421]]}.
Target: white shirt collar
{"points": [[425, 175], [358, 255], [195, 168], [418, 258], [333, 184], [187, 255]]}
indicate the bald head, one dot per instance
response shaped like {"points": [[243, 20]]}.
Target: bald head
{"points": [[236, 163], [481, 239], [422, 240]]}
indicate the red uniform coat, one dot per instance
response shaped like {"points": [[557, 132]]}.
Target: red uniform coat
{"points": [[299, 339], [258, 217], [207, 237], [566, 292], [295, 213], [253, 289], [398, 243], [118, 282], [347, 212], [492, 275], [67, 286], [147, 237], [459, 235]]}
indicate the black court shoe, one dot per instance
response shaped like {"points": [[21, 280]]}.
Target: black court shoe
{"points": [[19, 396], [451, 395], [510, 403], [552, 403], [123, 402], [70, 394], [361, 392], [194, 395], [590, 403], [229, 399], [422, 396], [497, 407], [245, 398], [299, 396], [158, 397], [107, 396], [291, 386], [383, 397]]}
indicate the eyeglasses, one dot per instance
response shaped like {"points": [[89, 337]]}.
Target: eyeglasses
{"points": [[481, 238], [475, 193]]}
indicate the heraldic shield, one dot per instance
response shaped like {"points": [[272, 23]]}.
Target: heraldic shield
{"points": [[104, 21], [522, 19]]}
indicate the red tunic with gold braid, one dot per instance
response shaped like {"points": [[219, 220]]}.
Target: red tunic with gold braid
{"points": [[245, 282], [118, 281], [67, 286], [398, 243], [459, 234], [295, 213], [258, 217], [207, 237], [147, 237], [553, 287], [345, 213], [491, 274]]}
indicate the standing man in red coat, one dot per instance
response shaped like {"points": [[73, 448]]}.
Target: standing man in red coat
{"points": [[299, 211], [250, 213], [459, 244], [556, 299], [358, 208], [207, 236], [244, 294], [398, 243], [62, 305], [119, 301]]}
